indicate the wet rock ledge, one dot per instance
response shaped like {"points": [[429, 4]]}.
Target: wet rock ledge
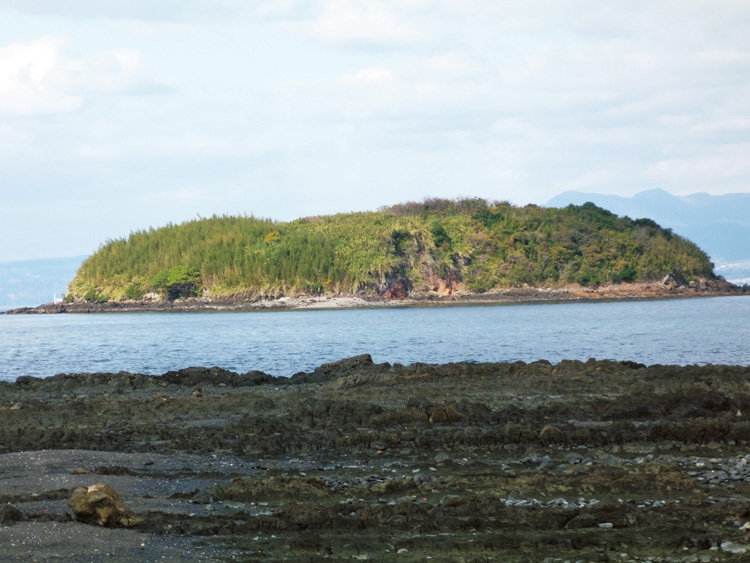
{"points": [[577, 461]]}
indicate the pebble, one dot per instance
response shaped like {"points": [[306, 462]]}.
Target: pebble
{"points": [[546, 462], [731, 547]]}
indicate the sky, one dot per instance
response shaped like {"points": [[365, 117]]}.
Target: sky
{"points": [[117, 115]]}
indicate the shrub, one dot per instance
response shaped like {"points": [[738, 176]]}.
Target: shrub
{"points": [[480, 284], [314, 288], [180, 281], [272, 237], [441, 238], [90, 295], [587, 277], [628, 274], [135, 291]]}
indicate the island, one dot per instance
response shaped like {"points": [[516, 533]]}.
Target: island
{"points": [[436, 251]]}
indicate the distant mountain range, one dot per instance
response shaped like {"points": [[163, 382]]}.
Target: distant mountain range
{"points": [[29, 283], [720, 225]]}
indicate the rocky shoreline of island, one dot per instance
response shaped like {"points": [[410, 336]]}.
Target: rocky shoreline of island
{"points": [[664, 289]]}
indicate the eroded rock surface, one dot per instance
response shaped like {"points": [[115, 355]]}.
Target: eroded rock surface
{"points": [[577, 461]]}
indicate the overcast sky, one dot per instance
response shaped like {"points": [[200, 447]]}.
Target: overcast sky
{"points": [[118, 115]]}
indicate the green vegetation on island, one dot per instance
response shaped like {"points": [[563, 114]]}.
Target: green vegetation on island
{"points": [[436, 244]]}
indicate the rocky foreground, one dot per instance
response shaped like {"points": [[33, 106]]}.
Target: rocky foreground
{"points": [[594, 461]]}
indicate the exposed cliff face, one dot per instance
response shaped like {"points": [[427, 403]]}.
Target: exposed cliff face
{"points": [[444, 287]]}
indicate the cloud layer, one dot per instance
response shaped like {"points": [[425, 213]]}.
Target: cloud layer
{"points": [[131, 114]]}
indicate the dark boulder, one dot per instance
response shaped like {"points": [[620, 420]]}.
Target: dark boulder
{"points": [[9, 514], [334, 370]]}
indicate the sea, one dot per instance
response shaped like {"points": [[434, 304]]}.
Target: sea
{"points": [[712, 330]]}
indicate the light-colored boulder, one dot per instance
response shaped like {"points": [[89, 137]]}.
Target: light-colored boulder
{"points": [[100, 505]]}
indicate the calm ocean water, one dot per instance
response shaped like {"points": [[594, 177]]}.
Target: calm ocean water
{"points": [[683, 331]]}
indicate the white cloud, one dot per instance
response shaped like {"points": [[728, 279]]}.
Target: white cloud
{"points": [[40, 77], [287, 9], [725, 56], [717, 164], [369, 75], [32, 78], [146, 10], [114, 71], [454, 65], [364, 22]]}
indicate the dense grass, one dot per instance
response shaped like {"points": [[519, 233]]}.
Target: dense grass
{"points": [[481, 245]]}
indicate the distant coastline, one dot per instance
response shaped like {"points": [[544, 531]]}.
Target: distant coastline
{"points": [[571, 293]]}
